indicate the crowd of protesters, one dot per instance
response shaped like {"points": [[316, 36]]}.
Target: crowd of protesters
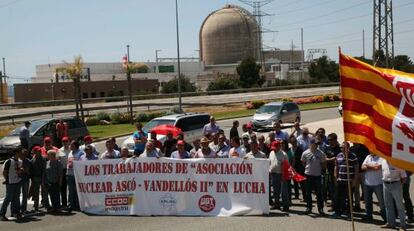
{"points": [[328, 168]]}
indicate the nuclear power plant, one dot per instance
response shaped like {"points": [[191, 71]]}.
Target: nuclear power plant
{"points": [[229, 35]]}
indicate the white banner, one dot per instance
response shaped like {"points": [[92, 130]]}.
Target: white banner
{"points": [[194, 187]]}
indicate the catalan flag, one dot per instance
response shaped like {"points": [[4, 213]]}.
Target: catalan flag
{"points": [[378, 110]]}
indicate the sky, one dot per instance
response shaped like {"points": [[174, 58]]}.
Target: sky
{"points": [[34, 32]]}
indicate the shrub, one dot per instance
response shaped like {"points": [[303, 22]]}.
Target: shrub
{"points": [[175, 110], [327, 98], [335, 97], [142, 117], [155, 115], [91, 121], [287, 99], [103, 116], [257, 103], [120, 118]]}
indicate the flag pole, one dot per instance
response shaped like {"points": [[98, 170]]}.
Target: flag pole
{"points": [[346, 152]]}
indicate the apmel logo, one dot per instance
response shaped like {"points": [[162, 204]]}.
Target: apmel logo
{"points": [[167, 201], [118, 201], [207, 203]]}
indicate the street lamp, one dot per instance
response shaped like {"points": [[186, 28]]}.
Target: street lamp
{"points": [[178, 59], [157, 70]]}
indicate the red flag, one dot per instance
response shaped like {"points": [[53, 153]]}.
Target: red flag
{"points": [[289, 173], [125, 61]]}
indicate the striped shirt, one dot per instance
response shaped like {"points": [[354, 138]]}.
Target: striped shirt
{"points": [[342, 167]]}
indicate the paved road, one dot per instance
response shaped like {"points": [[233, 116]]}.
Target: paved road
{"points": [[307, 117], [295, 220], [217, 99]]}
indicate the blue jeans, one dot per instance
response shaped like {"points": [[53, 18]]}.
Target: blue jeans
{"points": [[280, 187], [393, 192], [73, 195], [12, 196], [24, 186], [378, 190]]}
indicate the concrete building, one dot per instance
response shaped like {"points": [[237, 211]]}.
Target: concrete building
{"points": [[27, 92], [190, 67]]}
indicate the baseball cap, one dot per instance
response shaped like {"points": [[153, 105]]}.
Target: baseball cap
{"points": [[88, 138], [47, 139], [275, 144], [65, 139], [36, 149], [180, 142], [249, 126]]}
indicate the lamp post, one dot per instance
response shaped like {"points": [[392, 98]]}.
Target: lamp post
{"points": [[178, 59], [131, 112], [157, 69]]}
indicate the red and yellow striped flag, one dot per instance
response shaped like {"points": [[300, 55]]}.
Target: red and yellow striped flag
{"points": [[378, 110]]}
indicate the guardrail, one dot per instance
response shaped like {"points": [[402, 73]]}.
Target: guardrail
{"points": [[159, 96]]}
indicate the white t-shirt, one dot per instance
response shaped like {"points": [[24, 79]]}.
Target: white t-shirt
{"points": [[391, 173], [372, 177], [110, 155], [238, 152], [62, 156], [201, 154]]}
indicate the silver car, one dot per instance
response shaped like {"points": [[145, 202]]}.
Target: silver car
{"points": [[270, 113], [38, 130]]}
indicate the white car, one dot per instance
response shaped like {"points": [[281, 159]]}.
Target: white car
{"points": [[190, 123]]}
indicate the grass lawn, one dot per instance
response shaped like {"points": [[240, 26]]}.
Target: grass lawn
{"points": [[103, 131]]}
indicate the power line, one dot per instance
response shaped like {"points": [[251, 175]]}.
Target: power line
{"points": [[285, 5], [306, 7], [10, 3], [328, 14]]}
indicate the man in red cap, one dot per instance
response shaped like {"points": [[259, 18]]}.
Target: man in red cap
{"points": [[88, 140], [277, 157], [249, 128], [180, 153], [47, 145], [37, 171]]}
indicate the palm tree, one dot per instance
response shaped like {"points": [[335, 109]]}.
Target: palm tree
{"points": [[74, 70]]}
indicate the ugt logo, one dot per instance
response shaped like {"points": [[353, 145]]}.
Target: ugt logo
{"points": [[206, 203], [403, 124]]}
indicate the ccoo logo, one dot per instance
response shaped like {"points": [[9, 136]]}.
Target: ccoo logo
{"points": [[206, 203]]}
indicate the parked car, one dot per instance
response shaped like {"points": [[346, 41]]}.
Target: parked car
{"points": [[190, 123], [38, 130], [270, 113]]}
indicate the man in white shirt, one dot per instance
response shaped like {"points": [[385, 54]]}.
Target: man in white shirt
{"points": [[151, 151], [110, 152], [277, 158], [392, 182], [205, 151], [373, 184], [304, 139], [63, 158], [236, 151]]}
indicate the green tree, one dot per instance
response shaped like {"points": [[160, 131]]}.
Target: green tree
{"points": [[223, 83], [74, 71], [249, 72], [324, 70], [403, 63], [172, 85]]}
